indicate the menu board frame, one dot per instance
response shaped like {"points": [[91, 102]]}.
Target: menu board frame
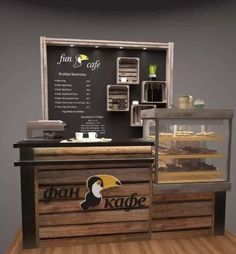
{"points": [[102, 44]]}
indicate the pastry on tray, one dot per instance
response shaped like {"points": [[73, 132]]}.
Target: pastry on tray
{"points": [[187, 167]]}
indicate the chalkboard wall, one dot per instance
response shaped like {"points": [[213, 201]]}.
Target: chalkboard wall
{"points": [[77, 89]]}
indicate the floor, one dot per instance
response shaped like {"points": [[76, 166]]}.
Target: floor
{"points": [[198, 245]]}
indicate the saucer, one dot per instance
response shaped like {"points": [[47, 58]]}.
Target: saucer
{"points": [[87, 140]]}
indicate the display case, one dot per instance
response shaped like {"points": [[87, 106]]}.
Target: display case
{"points": [[190, 145]]}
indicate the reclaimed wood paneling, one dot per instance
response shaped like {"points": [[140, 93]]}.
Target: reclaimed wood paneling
{"points": [[182, 209], [174, 197], [91, 166], [181, 223], [92, 217], [93, 229], [182, 214], [93, 239], [142, 189], [73, 206], [182, 234], [80, 176]]}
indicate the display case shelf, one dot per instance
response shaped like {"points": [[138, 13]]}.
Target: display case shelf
{"points": [[169, 138], [135, 114], [188, 177], [157, 90], [190, 156], [117, 98], [127, 70]]}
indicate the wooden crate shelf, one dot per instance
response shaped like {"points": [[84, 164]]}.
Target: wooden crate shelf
{"points": [[127, 70], [144, 91], [135, 114], [117, 98]]}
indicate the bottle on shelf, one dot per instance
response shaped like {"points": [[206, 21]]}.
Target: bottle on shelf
{"points": [[150, 92], [159, 92]]}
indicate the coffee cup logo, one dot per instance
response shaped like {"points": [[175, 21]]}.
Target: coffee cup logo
{"points": [[95, 185]]}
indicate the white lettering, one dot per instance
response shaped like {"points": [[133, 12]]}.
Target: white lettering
{"points": [[64, 59]]}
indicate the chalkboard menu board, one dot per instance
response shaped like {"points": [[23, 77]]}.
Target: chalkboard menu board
{"points": [[77, 85]]}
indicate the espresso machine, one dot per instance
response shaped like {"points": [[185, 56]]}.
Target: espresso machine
{"points": [[44, 129]]}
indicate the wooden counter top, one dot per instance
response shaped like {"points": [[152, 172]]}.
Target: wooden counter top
{"points": [[192, 245], [56, 143]]}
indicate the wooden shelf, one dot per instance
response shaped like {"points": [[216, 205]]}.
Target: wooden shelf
{"points": [[187, 177], [128, 69], [190, 156], [135, 114], [117, 98], [144, 95]]}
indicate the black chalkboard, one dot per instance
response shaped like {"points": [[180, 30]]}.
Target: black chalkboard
{"points": [[77, 94]]}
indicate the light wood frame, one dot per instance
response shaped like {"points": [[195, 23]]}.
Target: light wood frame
{"points": [[44, 42]]}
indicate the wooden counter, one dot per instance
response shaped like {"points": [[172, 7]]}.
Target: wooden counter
{"points": [[78, 194], [66, 199]]}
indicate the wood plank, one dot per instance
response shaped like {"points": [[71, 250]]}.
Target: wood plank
{"points": [[183, 197], [92, 166], [181, 223], [191, 187], [142, 189], [80, 176], [93, 217], [93, 229], [182, 234], [93, 239], [92, 150], [182, 209], [128, 74], [73, 206], [90, 156], [127, 70]]}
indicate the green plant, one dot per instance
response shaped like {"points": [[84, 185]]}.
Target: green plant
{"points": [[152, 69]]}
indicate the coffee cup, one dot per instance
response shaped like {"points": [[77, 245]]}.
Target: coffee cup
{"points": [[79, 135], [92, 135]]}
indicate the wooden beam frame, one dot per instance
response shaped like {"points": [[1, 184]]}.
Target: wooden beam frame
{"points": [[44, 42]]}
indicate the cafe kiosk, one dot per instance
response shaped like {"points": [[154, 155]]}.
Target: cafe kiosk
{"points": [[119, 186]]}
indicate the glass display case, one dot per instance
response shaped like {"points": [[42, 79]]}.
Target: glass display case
{"points": [[190, 145]]}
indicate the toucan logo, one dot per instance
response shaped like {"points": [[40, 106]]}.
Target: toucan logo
{"points": [[95, 185], [79, 59]]}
